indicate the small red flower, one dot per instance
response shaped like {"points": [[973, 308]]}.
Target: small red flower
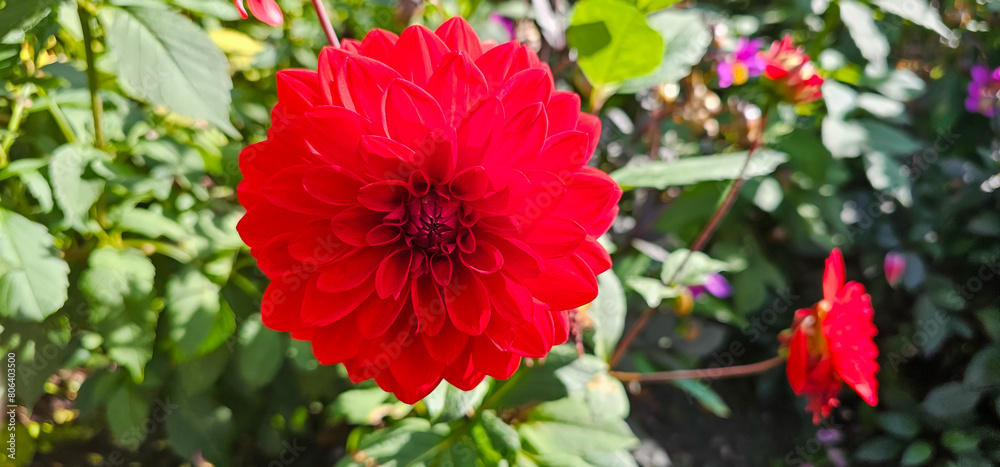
{"points": [[265, 10], [789, 67], [894, 266], [424, 210], [831, 344]]}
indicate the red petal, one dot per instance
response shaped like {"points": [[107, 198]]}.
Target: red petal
{"points": [[436, 156], [486, 259], [281, 307], [562, 111], [331, 185], [316, 243], [428, 305], [458, 35], [591, 125], [417, 54], [416, 372], [384, 196], [351, 270], [470, 184], [353, 224], [560, 327], [480, 132], [833, 276], [361, 83], [457, 85], [468, 302], [298, 91], [441, 269], [266, 11], [320, 308], [577, 284], [376, 315], [533, 338], [547, 192], [392, 274], [511, 300], [518, 258], [378, 45], [266, 221], [493, 361], [591, 198], [554, 237], [331, 61], [386, 159], [564, 153], [409, 113], [447, 345], [336, 343], [594, 255], [338, 147], [286, 189], [798, 359], [463, 373], [522, 140], [350, 45], [526, 88]]}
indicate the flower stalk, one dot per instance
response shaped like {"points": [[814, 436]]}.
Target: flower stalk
{"points": [[705, 373], [96, 104], [324, 21]]}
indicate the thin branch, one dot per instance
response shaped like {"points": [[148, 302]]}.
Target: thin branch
{"points": [[708, 373], [324, 21]]}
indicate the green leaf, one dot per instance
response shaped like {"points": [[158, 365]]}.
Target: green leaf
{"points": [[151, 224], [402, 445], [984, 369], [17, 12], [366, 406], [33, 279], [75, 194], [705, 396], [648, 6], [860, 22], [192, 305], [127, 410], [950, 400], [262, 351], [116, 280], [691, 170], [900, 424], [167, 60], [697, 266], [917, 453], [608, 314], [919, 12], [503, 438], [613, 41], [568, 426], [878, 450], [199, 424], [886, 174], [653, 291], [561, 374], [447, 403], [687, 39]]}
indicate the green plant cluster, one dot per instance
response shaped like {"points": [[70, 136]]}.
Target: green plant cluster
{"points": [[132, 305]]}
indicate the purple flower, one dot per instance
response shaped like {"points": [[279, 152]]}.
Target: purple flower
{"points": [[983, 91], [714, 284], [507, 23], [742, 64]]}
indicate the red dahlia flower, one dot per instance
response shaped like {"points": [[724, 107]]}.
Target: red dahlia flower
{"points": [[831, 344], [790, 69], [424, 210], [265, 10]]}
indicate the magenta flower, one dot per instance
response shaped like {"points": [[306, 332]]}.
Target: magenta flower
{"points": [[895, 266], [265, 10], [714, 284], [984, 91], [742, 64]]}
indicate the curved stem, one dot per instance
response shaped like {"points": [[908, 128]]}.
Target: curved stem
{"points": [[324, 21], [708, 373], [703, 237]]}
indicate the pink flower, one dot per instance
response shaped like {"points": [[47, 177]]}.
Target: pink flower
{"points": [[792, 72], [984, 91], [744, 63], [895, 266], [264, 10]]}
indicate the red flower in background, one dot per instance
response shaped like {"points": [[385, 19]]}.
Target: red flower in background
{"points": [[424, 210], [789, 67], [832, 344], [264, 10]]}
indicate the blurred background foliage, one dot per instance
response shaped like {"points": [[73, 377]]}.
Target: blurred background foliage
{"points": [[132, 305]]}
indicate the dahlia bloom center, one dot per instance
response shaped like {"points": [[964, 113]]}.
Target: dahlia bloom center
{"points": [[432, 223]]}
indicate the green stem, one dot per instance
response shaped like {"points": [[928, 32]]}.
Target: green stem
{"points": [[15, 122], [96, 104], [59, 117]]}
